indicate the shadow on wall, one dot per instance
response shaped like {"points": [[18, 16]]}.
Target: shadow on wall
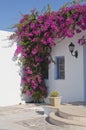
{"points": [[25, 98]]}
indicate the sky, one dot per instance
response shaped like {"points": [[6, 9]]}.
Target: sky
{"points": [[11, 10]]}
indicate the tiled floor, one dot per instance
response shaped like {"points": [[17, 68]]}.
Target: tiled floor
{"points": [[25, 117]]}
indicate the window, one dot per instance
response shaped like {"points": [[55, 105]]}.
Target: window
{"points": [[60, 68]]}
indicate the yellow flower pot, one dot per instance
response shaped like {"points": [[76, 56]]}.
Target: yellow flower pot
{"points": [[55, 101]]}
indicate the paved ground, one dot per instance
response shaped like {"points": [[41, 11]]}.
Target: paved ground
{"points": [[25, 117]]}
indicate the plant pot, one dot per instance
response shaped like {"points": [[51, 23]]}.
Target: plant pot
{"points": [[26, 98], [55, 101]]}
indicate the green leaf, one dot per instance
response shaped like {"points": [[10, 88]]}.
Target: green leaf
{"points": [[49, 8]]}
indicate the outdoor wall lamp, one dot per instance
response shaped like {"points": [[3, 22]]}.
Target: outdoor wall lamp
{"points": [[71, 49]]}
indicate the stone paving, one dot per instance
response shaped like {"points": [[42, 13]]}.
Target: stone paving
{"points": [[25, 117]]}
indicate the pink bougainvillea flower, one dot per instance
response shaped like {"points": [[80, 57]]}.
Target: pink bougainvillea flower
{"points": [[35, 39], [44, 42], [23, 81], [38, 59], [28, 68], [29, 71], [28, 79], [34, 51], [18, 50], [70, 20], [34, 84], [28, 93]]}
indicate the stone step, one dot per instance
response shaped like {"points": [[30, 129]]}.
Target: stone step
{"points": [[59, 121], [71, 117], [72, 113], [74, 110]]}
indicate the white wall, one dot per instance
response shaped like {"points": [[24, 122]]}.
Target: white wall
{"points": [[9, 77], [84, 72], [72, 87]]}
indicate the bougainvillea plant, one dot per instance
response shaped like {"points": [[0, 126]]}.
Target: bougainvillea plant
{"points": [[35, 39]]}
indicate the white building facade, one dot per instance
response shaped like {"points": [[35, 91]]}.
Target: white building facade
{"points": [[72, 85]]}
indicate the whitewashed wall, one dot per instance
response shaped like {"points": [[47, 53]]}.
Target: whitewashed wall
{"points": [[84, 63], [9, 77], [72, 87]]}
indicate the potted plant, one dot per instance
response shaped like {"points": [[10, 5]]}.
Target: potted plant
{"points": [[54, 98]]}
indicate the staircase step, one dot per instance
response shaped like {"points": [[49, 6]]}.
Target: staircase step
{"points": [[71, 117], [56, 120], [72, 113]]}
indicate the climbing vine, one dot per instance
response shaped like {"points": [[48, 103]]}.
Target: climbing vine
{"points": [[35, 38]]}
